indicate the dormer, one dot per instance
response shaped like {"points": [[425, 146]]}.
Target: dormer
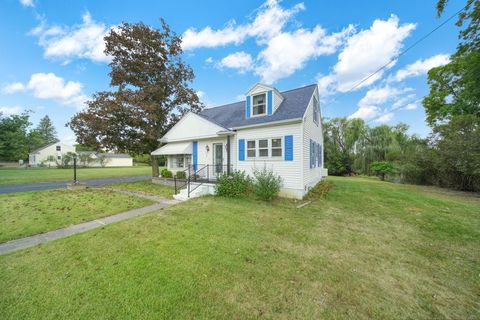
{"points": [[262, 100]]}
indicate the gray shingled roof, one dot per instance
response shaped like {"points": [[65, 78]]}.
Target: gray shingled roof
{"points": [[233, 115]]}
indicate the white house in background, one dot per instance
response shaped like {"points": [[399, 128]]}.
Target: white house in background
{"points": [[53, 151], [110, 159], [278, 130], [117, 159]]}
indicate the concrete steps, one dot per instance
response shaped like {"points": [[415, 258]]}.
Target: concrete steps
{"points": [[201, 190]]}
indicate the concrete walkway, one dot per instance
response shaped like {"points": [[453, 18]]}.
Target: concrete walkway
{"points": [[23, 243], [63, 184]]}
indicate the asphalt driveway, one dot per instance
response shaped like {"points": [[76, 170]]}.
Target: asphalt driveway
{"points": [[63, 184]]}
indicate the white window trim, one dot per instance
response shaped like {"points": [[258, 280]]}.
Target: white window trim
{"points": [[266, 106], [316, 110], [269, 146]]}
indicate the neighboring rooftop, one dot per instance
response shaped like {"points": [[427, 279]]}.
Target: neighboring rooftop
{"points": [[233, 115], [45, 146]]}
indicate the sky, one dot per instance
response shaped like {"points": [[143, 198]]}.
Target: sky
{"points": [[52, 60]]}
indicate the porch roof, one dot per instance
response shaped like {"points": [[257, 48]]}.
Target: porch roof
{"points": [[174, 148]]}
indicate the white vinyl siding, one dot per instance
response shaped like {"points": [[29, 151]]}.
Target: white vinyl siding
{"points": [[312, 132], [290, 171]]}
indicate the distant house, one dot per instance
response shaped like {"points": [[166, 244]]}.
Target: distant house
{"points": [[50, 154], [117, 159], [278, 130]]}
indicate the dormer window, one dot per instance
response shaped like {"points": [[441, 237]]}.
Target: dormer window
{"points": [[259, 105]]}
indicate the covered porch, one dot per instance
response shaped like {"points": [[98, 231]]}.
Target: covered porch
{"points": [[204, 159]]}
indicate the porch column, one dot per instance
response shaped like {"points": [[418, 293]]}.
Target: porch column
{"points": [[228, 154], [154, 166]]}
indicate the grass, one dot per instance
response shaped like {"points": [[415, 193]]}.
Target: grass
{"points": [[19, 176], [146, 187], [28, 213], [370, 250]]}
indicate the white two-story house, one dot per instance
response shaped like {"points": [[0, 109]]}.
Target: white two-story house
{"points": [[278, 130]]}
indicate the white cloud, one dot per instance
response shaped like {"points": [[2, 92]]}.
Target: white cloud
{"points": [[51, 86], [365, 113], [420, 67], [209, 60], [288, 52], [403, 101], [27, 3], [411, 106], [10, 110], [364, 53], [269, 21], [384, 118], [238, 60], [13, 88], [79, 41], [369, 107]]}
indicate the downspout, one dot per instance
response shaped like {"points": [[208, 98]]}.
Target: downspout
{"points": [[228, 154]]}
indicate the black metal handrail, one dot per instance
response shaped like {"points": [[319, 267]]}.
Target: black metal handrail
{"points": [[179, 187], [207, 173]]}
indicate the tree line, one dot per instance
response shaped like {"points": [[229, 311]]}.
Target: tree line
{"points": [[450, 155], [18, 138]]}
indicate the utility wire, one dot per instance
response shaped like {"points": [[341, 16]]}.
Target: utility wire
{"points": [[406, 50]]}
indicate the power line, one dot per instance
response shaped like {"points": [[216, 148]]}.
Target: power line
{"points": [[406, 50]]}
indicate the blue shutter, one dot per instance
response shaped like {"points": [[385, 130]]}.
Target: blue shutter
{"points": [[288, 148], [241, 149], [195, 155], [320, 155], [247, 108], [311, 153], [269, 101]]}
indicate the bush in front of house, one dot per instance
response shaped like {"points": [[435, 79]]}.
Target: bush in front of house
{"points": [[266, 184], [233, 185], [165, 173], [319, 191], [181, 175]]}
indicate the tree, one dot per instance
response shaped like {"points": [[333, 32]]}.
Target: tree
{"points": [[455, 87], [46, 130], [341, 136], [457, 153], [13, 137], [151, 91], [382, 168]]}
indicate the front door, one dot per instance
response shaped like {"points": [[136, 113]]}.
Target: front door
{"points": [[218, 157]]}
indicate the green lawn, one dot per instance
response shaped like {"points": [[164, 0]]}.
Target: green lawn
{"points": [[18, 176], [370, 250], [27, 213], [145, 187]]}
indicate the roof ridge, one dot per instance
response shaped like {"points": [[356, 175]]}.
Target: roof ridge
{"points": [[224, 105]]}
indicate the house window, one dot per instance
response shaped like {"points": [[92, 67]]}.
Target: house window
{"points": [[59, 157], [263, 148], [180, 162], [316, 110], [259, 104], [276, 147], [59, 148], [251, 149]]}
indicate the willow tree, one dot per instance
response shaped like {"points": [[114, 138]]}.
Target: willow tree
{"points": [[150, 91]]}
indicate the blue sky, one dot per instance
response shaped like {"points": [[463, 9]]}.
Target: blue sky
{"points": [[51, 59]]}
